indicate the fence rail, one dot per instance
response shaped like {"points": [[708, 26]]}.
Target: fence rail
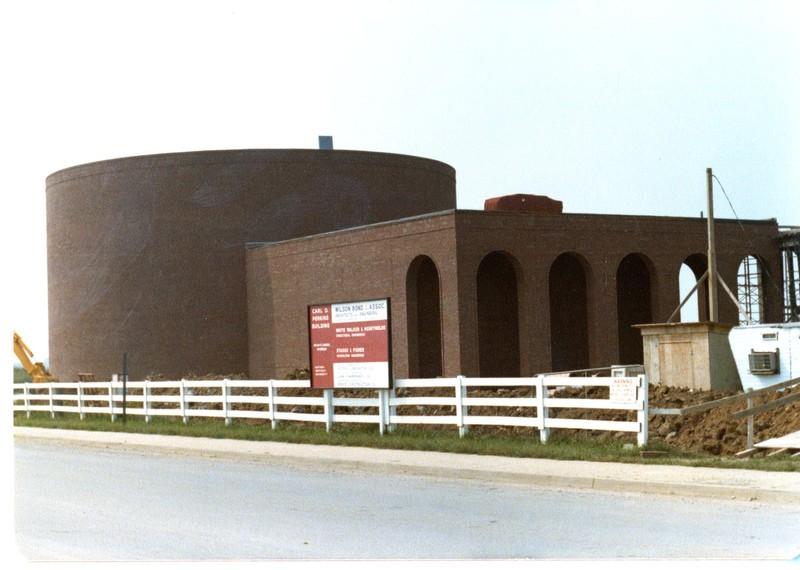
{"points": [[460, 402]]}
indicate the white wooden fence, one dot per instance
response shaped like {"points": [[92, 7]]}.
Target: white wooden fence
{"points": [[462, 406]]}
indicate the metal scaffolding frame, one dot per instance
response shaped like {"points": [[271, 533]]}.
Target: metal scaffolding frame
{"points": [[750, 290], [791, 282]]}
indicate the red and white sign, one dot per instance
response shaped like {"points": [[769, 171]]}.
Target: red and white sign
{"points": [[623, 390], [350, 345]]}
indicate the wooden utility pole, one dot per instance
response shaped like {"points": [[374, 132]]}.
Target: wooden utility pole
{"points": [[713, 311]]}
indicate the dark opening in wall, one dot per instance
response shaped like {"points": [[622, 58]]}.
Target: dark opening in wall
{"points": [[569, 325], [498, 317], [424, 319], [634, 307]]}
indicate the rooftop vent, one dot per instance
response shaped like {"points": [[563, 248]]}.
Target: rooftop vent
{"points": [[524, 203]]}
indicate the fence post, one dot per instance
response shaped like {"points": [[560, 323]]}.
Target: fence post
{"points": [[750, 423], [392, 409], [642, 413], [271, 393], [541, 409], [383, 409], [225, 393], [386, 410], [80, 400], [327, 401], [461, 409], [50, 396], [146, 403], [26, 393], [111, 397], [183, 400]]}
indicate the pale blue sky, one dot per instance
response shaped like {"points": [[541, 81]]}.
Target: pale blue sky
{"points": [[613, 107]]}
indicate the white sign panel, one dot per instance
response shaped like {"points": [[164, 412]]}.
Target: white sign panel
{"points": [[360, 312], [623, 390]]}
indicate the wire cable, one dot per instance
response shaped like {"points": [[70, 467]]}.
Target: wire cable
{"points": [[750, 243]]}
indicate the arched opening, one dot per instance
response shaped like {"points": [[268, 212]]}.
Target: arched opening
{"points": [[634, 307], [498, 317], [569, 323], [696, 308], [750, 290], [424, 319]]}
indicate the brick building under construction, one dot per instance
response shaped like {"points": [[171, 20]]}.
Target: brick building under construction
{"points": [[205, 262]]}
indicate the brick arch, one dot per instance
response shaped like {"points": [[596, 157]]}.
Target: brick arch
{"points": [[569, 282], [498, 283], [423, 305], [635, 285]]}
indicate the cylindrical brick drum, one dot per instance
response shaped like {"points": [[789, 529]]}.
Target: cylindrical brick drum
{"points": [[146, 255]]}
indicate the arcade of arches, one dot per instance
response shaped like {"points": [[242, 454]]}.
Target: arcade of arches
{"points": [[498, 294], [497, 283]]}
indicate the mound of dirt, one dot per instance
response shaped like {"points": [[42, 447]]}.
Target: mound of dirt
{"points": [[716, 431]]}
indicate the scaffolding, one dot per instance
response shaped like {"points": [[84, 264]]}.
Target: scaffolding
{"points": [[790, 250], [750, 290]]}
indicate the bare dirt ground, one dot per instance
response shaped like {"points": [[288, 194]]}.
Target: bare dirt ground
{"points": [[715, 431]]}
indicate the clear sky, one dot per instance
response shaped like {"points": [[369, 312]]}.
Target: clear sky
{"points": [[614, 107]]}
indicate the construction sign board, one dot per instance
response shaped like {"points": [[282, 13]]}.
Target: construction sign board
{"points": [[350, 344]]}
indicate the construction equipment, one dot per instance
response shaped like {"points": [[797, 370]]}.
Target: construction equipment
{"points": [[36, 369]]}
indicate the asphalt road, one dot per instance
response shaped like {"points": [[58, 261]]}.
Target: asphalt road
{"points": [[76, 502]]}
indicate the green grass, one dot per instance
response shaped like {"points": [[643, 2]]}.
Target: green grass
{"points": [[477, 441]]}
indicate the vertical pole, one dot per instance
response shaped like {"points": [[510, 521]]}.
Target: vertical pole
{"points": [[80, 400], [50, 394], [713, 311], [383, 410], [461, 409], [390, 410], [183, 401], [642, 413], [541, 409], [124, 386], [327, 400], [271, 389], [27, 400], [146, 394], [114, 378], [750, 423], [225, 393]]}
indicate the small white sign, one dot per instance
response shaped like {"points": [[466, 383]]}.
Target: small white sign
{"points": [[623, 390], [360, 312], [360, 374]]}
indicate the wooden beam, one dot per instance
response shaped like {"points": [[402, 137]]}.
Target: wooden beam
{"points": [[769, 405]]}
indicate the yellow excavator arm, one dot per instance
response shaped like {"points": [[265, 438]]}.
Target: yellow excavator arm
{"points": [[36, 369]]}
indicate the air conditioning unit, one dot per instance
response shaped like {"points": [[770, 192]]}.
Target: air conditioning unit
{"points": [[766, 354], [764, 362]]}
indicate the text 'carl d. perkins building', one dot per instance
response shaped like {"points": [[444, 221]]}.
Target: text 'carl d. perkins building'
{"points": [[206, 262]]}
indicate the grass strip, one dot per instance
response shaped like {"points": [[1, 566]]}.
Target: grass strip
{"points": [[560, 446]]}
